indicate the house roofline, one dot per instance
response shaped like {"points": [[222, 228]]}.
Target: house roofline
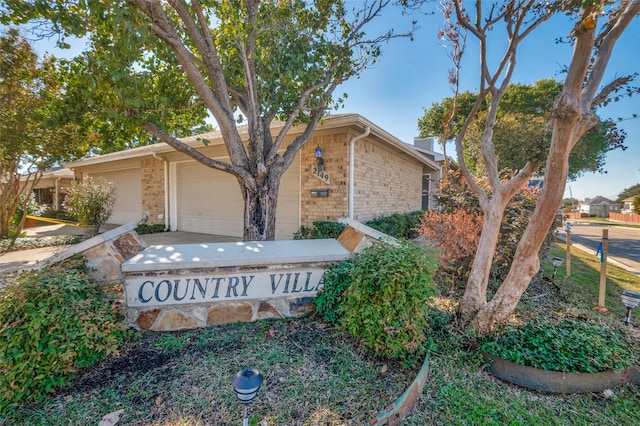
{"points": [[195, 141]]}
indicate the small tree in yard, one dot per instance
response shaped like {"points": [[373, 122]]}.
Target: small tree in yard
{"points": [[250, 60], [31, 137], [572, 116], [636, 204]]}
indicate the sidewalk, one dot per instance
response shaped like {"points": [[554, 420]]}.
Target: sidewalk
{"points": [[13, 261]]}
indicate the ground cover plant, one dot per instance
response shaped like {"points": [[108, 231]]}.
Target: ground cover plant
{"points": [[316, 374], [26, 243], [53, 322]]}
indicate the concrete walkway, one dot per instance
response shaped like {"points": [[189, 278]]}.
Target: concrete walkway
{"points": [[16, 260]]}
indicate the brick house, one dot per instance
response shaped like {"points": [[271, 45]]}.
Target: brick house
{"points": [[367, 173]]}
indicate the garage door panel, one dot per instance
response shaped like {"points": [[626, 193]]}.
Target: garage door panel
{"points": [[210, 201]]}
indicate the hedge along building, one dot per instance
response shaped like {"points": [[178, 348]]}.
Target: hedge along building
{"points": [[351, 168]]}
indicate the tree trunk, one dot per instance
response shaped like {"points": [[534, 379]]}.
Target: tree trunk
{"points": [[526, 263], [260, 207], [474, 297]]}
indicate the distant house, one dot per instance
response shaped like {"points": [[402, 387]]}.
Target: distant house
{"points": [[366, 173], [627, 205], [598, 206], [49, 189]]}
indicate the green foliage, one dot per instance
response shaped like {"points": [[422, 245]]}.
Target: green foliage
{"points": [[55, 214], [319, 230], [398, 225], [385, 305], [11, 244], [631, 191], [30, 204], [564, 344], [523, 116], [336, 284], [33, 139], [635, 206], [52, 322], [149, 229], [90, 202]]}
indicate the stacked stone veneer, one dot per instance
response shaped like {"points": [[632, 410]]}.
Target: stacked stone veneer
{"points": [[195, 285], [104, 253]]}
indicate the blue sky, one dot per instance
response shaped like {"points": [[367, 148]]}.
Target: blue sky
{"points": [[411, 75]]}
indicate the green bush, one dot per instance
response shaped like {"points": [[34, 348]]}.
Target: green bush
{"points": [[385, 304], [398, 225], [336, 283], [52, 322], [319, 230], [567, 345], [55, 214], [149, 229]]}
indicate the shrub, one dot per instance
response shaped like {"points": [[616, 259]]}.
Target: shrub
{"points": [[32, 207], [456, 237], [455, 197], [319, 230], [90, 202], [398, 225], [385, 304], [149, 229], [52, 322], [567, 345], [336, 283]]}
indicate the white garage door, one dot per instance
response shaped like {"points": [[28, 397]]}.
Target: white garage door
{"points": [[209, 201], [128, 206]]}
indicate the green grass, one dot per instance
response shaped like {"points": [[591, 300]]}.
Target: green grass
{"points": [[316, 375]]}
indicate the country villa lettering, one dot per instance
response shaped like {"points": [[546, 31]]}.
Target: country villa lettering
{"points": [[172, 290]]}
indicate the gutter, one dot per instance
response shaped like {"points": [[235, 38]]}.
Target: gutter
{"points": [[352, 163]]}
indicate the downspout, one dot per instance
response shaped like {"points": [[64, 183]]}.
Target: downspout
{"points": [[166, 189], [352, 163]]}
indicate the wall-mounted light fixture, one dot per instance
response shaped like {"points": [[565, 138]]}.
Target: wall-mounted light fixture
{"points": [[320, 159]]}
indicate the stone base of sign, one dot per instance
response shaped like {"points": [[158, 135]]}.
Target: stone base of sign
{"points": [[186, 286], [357, 236], [104, 253]]}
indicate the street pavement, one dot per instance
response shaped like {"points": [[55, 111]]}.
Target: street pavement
{"points": [[623, 242]]}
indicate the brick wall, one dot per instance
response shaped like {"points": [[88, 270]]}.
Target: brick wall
{"points": [[152, 176], [335, 149], [386, 181]]}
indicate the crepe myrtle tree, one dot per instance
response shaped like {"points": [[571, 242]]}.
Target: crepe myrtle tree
{"points": [[243, 61], [598, 26]]}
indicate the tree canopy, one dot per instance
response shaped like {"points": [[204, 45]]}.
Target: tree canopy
{"points": [[522, 130], [631, 191], [34, 136], [237, 60]]}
